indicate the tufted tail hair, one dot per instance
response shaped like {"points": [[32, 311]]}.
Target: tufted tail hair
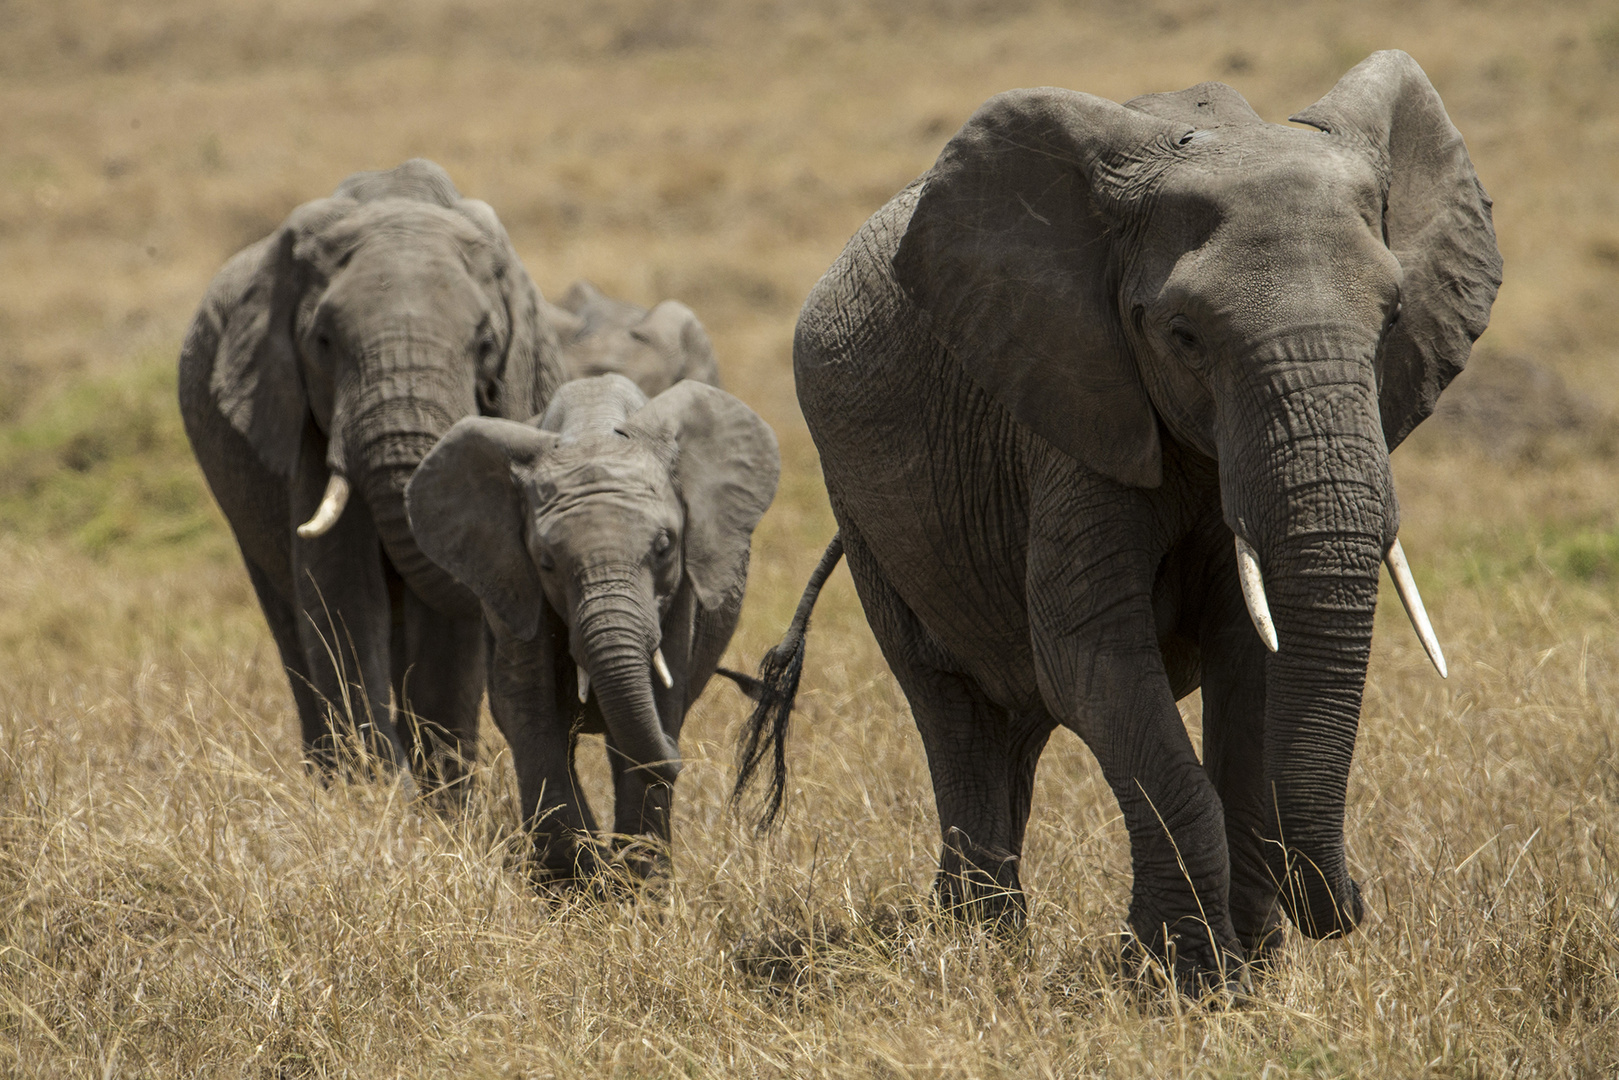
{"points": [[775, 690]]}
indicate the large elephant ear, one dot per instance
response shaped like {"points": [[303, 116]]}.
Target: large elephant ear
{"points": [[468, 513], [1437, 223], [256, 376], [531, 369], [726, 467], [1010, 259]]}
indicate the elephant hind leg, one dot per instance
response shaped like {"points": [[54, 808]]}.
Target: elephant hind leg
{"points": [[981, 755]]}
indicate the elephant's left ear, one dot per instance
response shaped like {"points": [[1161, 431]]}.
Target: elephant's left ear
{"points": [[1436, 221], [532, 368], [726, 467]]}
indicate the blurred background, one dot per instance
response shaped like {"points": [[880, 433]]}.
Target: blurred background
{"points": [[721, 152]]}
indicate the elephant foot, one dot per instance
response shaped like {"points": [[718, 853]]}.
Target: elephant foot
{"points": [[641, 858], [977, 884], [1189, 962], [1263, 946], [614, 869], [1319, 909]]}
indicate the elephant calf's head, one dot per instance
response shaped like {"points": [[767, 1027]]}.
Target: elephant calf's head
{"points": [[623, 515]]}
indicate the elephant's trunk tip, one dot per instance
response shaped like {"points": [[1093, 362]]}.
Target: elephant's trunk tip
{"points": [[331, 508], [1406, 586]]}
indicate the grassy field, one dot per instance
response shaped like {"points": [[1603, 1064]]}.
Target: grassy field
{"points": [[178, 898]]}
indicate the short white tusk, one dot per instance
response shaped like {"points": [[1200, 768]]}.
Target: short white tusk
{"points": [[1406, 586], [662, 669], [330, 509], [1253, 593], [584, 683]]}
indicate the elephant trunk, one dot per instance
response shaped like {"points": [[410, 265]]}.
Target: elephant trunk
{"points": [[389, 426], [1307, 488], [616, 629]]}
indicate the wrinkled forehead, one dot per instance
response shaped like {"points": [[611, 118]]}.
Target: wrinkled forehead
{"points": [[583, 477], [1269, 179], [390, 223]]}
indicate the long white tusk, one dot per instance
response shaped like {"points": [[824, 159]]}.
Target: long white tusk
{"points": [[330, 509], [584, 683], [662, 669], [1253, 593], [1406, 586]]}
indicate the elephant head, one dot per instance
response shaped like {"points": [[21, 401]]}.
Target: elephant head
{"points": [[382, 315], [656, 349], [1288, 302], [629, 518]]}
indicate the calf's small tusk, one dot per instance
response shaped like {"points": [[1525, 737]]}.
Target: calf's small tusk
{"points": [[584, 683], [330, 509], [1406, 586], [662, 669], [1253, 593]]}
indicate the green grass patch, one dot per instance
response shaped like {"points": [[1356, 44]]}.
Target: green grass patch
{"points": [[1576, 553], [104, 464]]}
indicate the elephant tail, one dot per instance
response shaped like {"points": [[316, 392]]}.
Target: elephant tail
{"points": [[775, 690]]}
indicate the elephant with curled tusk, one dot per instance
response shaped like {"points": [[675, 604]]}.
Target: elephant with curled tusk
{"points": [[1107, 390], [324, 362], [608, 540]]}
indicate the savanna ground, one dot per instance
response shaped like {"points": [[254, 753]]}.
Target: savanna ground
{"points": [[177, 896]]}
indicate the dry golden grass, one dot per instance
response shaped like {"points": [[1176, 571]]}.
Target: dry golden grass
{"points": [[177, 897]]}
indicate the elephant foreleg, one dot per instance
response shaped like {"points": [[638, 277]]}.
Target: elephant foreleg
{"points": [[344, 628], [1234, 755], [313, 718], [641, 808], [440, 687], [524, 698], [1101, 671]]}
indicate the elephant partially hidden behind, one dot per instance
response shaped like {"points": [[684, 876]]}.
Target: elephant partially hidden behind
{"points": [[329, 357], [608, 540], [654, 349], [1055, 381]]}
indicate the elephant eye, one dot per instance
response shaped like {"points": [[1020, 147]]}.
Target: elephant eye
{"points": [[1185, 337], [663, 543]]}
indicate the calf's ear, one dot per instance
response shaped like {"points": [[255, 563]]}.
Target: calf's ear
{"points": [[468, 511]]}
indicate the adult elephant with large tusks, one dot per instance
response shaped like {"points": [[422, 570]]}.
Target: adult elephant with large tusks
{"points": [[323, 364], [1106, 391], [608, 540]]}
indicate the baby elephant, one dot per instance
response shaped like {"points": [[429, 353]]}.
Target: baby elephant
{"points": [[608, 541], [656, 349]]}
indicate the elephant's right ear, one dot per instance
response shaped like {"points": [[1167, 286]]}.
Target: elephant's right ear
{"points": [[256, 378], [1009, 256], [467, 511]]}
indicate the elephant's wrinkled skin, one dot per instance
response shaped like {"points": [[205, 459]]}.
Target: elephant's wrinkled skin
{"points": [[1053, 377], [654, 349], [609, 542], [332, 355]]}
